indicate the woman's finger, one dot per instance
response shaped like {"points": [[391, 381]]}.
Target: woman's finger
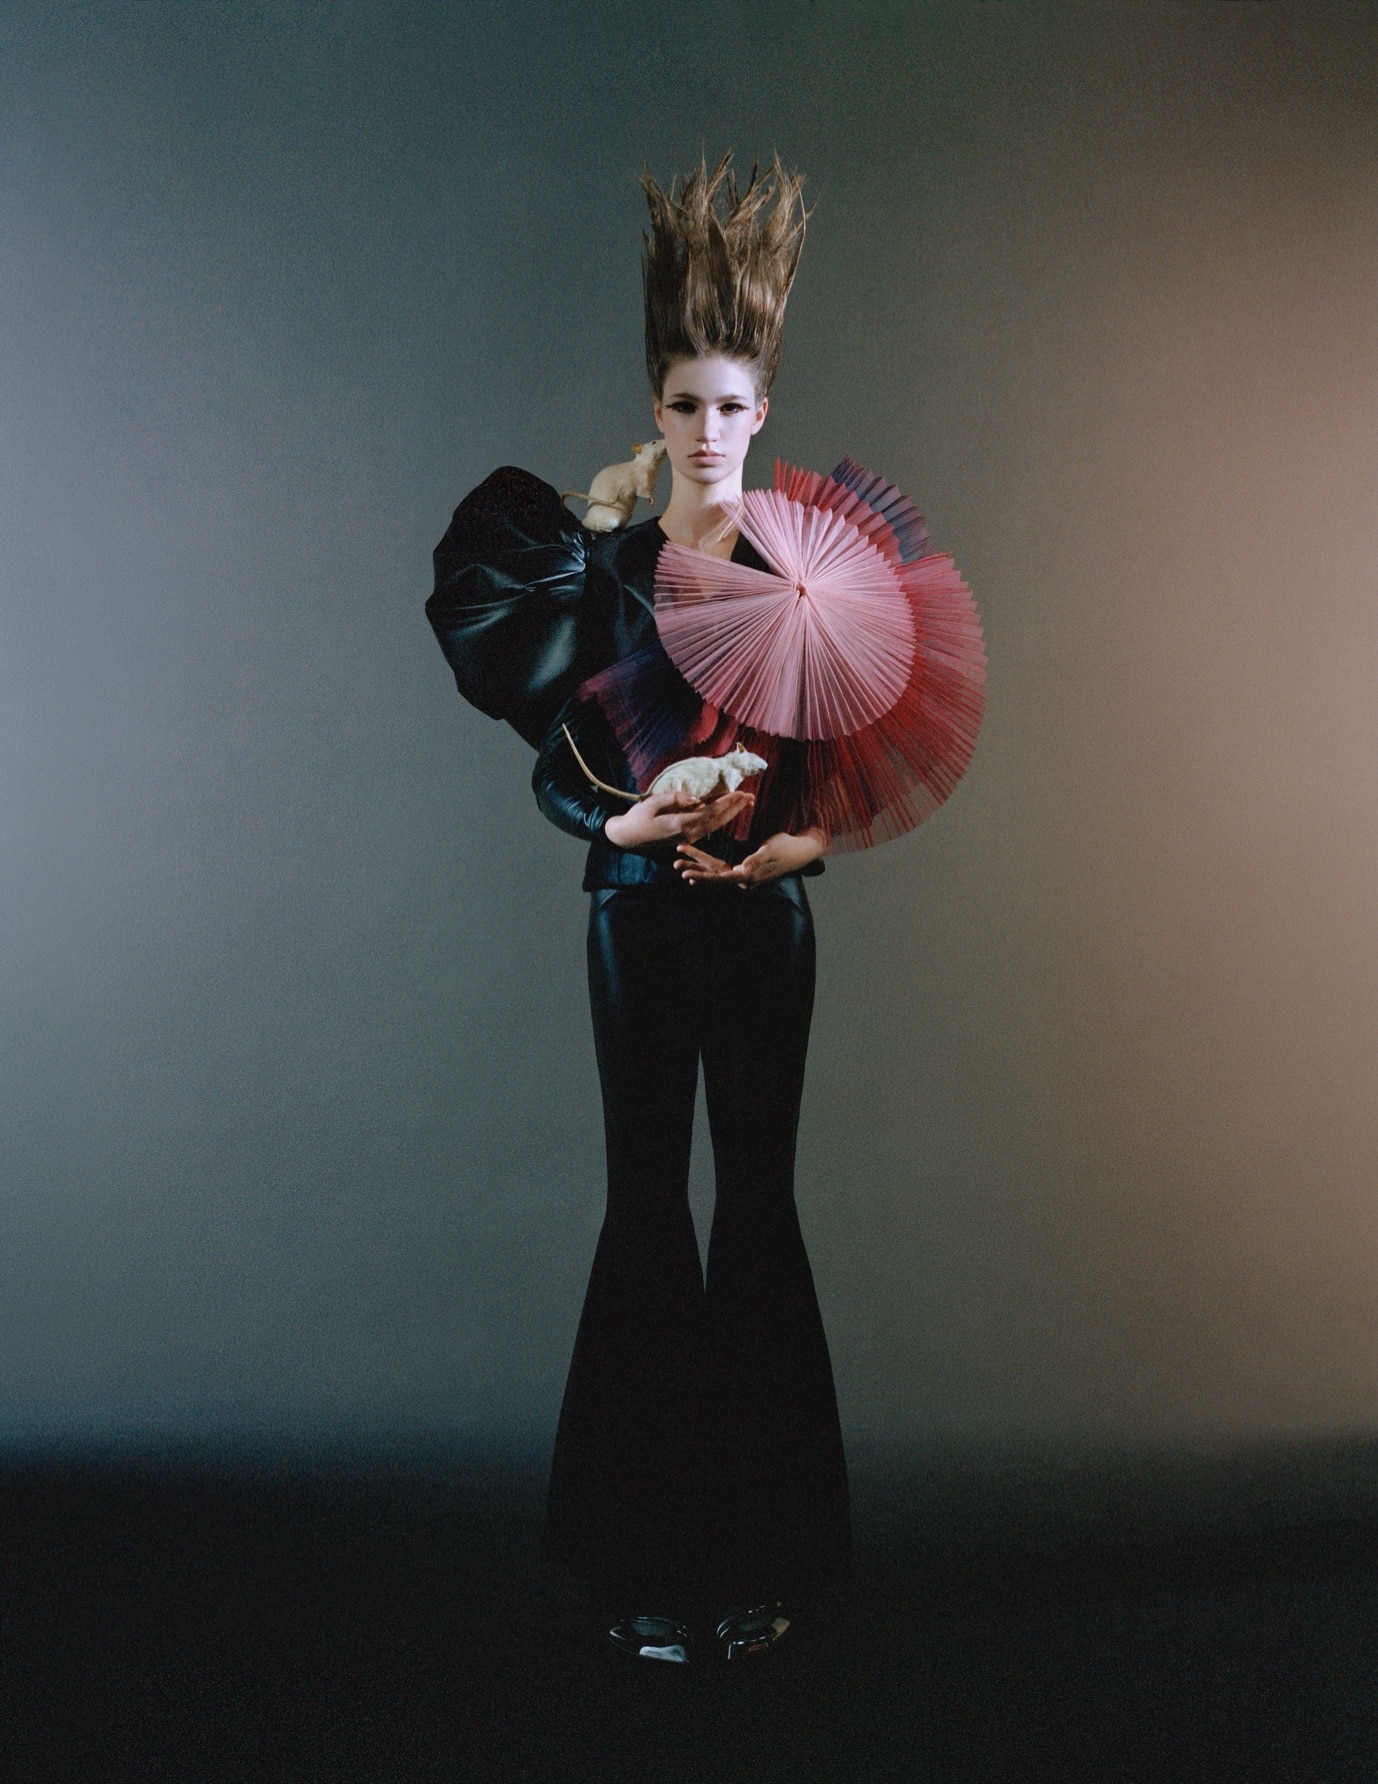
{"points": [[666, 804], [704, 870], [759, 868], [726, 806], [703, 820], [700, 861]]}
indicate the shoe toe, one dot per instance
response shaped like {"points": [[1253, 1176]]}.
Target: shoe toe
{"points": [[752, 1629], [652, 1638]]}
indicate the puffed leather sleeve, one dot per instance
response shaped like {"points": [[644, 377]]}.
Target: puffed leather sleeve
{"points": [[512, 608], [561, 787]]}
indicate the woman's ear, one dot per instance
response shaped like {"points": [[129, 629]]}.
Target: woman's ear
{"points": [[760, 420]]}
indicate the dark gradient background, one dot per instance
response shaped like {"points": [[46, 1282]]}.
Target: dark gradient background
{"points": [[301, 1135]]}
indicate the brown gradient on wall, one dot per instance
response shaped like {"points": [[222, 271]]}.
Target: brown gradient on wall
{"points": [[1125, 1113]]}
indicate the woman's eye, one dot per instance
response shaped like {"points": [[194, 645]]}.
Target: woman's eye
{"points": [[682, 408]]}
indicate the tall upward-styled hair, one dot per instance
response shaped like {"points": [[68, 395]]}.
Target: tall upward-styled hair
{"points": [[718, 283]]}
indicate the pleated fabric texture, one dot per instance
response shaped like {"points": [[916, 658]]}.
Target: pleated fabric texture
{"points": [[854, 663]]}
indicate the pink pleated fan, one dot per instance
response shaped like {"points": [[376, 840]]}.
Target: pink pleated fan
{"points": [[818, 646], [854, 664]]}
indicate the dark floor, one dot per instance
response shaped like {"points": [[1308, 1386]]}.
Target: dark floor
{"points": [[1152, 1617]]}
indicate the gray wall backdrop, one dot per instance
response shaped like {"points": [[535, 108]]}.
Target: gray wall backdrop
{"points": [[300, 1128]]}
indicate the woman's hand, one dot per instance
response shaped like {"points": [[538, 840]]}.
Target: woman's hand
{"points": [[670, 817], [778, 854]]}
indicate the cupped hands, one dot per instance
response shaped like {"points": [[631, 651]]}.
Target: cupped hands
{"points": [[779, 854]]}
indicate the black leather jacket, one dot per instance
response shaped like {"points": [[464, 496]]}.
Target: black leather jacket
{"points": [[527, 605]]}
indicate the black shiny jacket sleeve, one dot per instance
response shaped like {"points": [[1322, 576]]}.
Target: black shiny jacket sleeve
{"points": [[561, 787]]}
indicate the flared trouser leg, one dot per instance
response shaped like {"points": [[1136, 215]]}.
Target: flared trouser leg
{"points": [[698, 1442], [776, 1480]]}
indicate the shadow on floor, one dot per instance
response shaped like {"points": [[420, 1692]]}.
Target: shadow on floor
{"points": [[1150, 1616]]}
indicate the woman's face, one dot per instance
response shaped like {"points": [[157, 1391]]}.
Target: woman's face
{"points": [[708, 413]]}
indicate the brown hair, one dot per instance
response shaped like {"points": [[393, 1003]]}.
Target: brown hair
{"points": [[718, 284]]}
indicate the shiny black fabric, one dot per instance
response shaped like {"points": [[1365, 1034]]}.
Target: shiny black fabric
{"points": [[528, 603], [699, 1448]]}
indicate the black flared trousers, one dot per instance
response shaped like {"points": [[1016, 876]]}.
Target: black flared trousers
{"points": [[698, 1447]]}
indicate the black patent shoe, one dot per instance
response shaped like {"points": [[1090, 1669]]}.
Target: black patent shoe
{"points": [[752, 1629], [652, 1638]]}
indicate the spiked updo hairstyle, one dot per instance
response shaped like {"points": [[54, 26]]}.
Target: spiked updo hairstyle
{"points": [[718, 283]]}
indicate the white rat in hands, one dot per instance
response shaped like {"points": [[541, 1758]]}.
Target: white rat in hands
{"points": [[706, 777], [701, 777], [615, 491]]}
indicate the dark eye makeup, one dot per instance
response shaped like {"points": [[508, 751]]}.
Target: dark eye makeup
{"points": [[686, 405]]}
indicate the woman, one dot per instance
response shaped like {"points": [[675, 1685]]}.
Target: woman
{"points": [[698, 1465]]}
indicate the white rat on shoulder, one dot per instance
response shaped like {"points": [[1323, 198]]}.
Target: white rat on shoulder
{"points": [[615, 491]]}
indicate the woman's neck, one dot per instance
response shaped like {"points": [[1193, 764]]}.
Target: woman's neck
{"points": [[699, 514]]}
